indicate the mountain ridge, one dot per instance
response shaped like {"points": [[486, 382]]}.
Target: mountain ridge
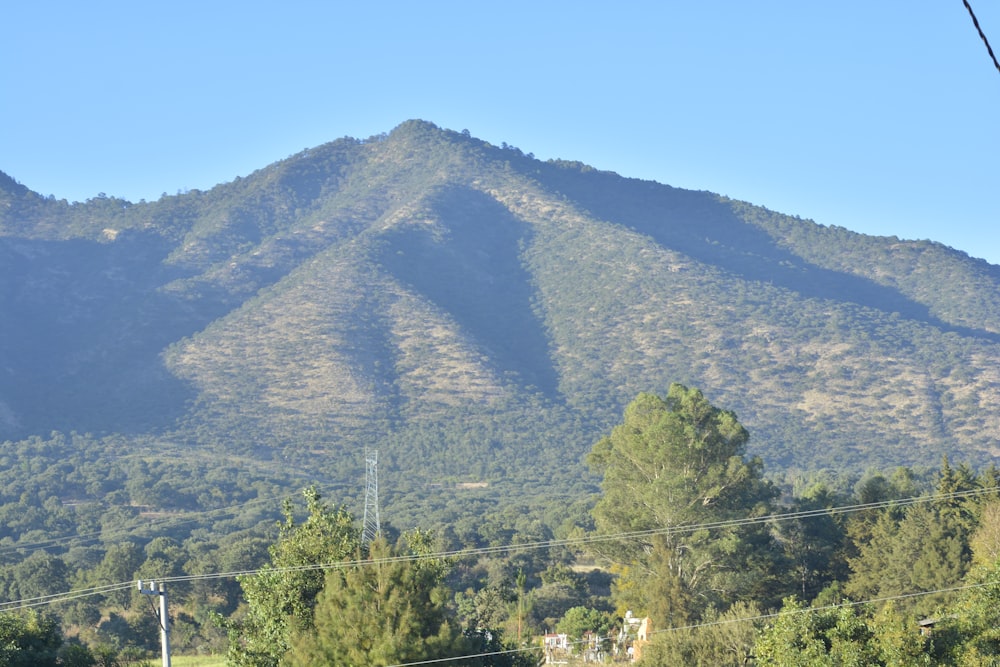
{"points": [[426, 292]]}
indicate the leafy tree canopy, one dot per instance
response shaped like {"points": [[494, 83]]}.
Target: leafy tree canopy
{"points": [[29, 640], [672, 466], [280, 598]]}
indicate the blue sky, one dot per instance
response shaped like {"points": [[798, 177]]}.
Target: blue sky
{"points": [[876, 116]]}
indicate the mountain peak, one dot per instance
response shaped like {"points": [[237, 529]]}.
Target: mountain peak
{"points": [[424, 291], [11, 187]]}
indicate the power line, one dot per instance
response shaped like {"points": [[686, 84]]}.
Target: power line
{"points": [[982, 35], [436, 661], [529, 546], [759, 617], [829, 607], [804, 514], [63, 597], [192, 517]]}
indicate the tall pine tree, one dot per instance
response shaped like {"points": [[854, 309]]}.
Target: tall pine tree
{"points": [[673, 466], [387, 610]]}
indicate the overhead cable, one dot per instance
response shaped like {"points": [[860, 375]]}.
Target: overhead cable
{"points": [[982, 35], [527, 546]]}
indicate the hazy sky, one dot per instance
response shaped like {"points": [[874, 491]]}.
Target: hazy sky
{"points": [[879, 116]]}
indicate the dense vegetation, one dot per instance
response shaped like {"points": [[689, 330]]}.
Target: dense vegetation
{"points": [[469, 306], [732, 567], [170, 370]]}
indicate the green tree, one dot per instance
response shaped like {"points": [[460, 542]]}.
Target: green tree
{"points": [[922, 552], [550, 601], [38, 575], [281, 596], [722, 640], [120, 563], [972, 628], [491, 607], [389, 609], [874, 488], [34, 640], [814, 545], [847, 635], [672, 466], [924, 548], [578, 620], [985, 541], [804, 637], [899, 645], [952, 481]]}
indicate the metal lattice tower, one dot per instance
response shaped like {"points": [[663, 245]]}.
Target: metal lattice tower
{"points": [[371, 525]]}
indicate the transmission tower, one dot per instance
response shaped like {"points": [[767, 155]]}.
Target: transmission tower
{"points": [[371, 526]]}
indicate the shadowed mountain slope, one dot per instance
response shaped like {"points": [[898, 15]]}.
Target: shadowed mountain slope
{"points": [[475, 313]]}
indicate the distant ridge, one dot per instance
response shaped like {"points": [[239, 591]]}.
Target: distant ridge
{"points": [[476, 313]]}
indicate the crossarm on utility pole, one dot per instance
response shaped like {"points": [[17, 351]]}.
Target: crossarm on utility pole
{"points": [[164, 618]]}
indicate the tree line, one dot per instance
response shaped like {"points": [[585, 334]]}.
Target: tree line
{"points": [[732, 568]]}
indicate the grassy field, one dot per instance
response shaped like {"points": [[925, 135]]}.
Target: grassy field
{"points": [[196, 661]]}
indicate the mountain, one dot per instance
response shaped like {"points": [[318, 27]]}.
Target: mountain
{"points": [[479, 315]]}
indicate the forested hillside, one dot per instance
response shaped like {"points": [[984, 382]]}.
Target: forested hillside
{"points": [[170, 370], [480, 315]]}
